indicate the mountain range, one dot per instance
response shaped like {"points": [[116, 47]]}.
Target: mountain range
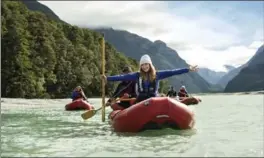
{"points": [[164, 57], [212, 76], [251, 75]]}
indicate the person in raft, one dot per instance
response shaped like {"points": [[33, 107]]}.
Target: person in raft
{"points": [[171, 92], [183, 92], [148, 78], [125, 89], [78, 93]]}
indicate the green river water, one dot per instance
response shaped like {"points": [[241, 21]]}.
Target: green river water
{"points": [[226, 125]]}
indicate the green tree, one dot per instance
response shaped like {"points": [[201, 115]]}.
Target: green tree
{"points": [[43, 58]]}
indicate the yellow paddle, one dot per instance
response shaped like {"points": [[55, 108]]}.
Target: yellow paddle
{"points": [[103, 81], [91, 113]]}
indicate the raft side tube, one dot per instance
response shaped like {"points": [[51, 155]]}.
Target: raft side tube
{"points": [[158, 110], [182, 114], [78, 104]]}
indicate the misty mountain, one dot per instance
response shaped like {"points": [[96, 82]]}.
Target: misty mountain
{"points": [[229, 67], [163, 57], [251, 75], [135, 46], [211, 76]]}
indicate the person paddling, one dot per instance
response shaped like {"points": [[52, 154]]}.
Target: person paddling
{"points": [[78, 94], [171, 92], [125, 89], [148, 78], [183, 92]]}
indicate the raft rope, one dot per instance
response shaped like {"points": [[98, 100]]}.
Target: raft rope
{"points": [[122, 90]]}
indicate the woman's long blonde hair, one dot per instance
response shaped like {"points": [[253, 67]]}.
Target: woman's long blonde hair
{"points": [[151, 73]]}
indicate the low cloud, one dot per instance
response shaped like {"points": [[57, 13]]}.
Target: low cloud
{"points": [[216, 60]]}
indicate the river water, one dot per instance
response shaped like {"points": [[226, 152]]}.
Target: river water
{"points": [[226, 125]]}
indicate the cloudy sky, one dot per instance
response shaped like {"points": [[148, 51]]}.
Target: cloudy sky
{"points": [[210, 34]]}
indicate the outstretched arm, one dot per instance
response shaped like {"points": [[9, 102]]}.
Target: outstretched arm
{"points": [[125, 77], [168, 73]]}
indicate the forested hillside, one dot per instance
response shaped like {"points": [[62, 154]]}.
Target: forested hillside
{"points": [[34, 5], [46, 58], [134, 46]]}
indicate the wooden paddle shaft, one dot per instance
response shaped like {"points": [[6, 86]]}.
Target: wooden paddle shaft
{"points": [[103, 73]]}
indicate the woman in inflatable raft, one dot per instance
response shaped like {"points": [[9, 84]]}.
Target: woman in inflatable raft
{"points": [[79, 101], [149, 110], [185, 98], [148, 78]]}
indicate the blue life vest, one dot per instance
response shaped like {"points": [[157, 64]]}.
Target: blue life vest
{"points": [[149, 90]]}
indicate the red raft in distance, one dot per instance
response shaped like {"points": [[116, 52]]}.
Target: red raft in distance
{"points": [[78, 104], [190, 100], [153, 113]]}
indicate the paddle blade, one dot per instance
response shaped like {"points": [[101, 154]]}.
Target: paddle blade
{"points": [[88, 114]]}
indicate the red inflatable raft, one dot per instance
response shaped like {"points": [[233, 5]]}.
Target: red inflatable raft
{"points": [[78, 104], [153, 113], [190, 100], [117, 107]]}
